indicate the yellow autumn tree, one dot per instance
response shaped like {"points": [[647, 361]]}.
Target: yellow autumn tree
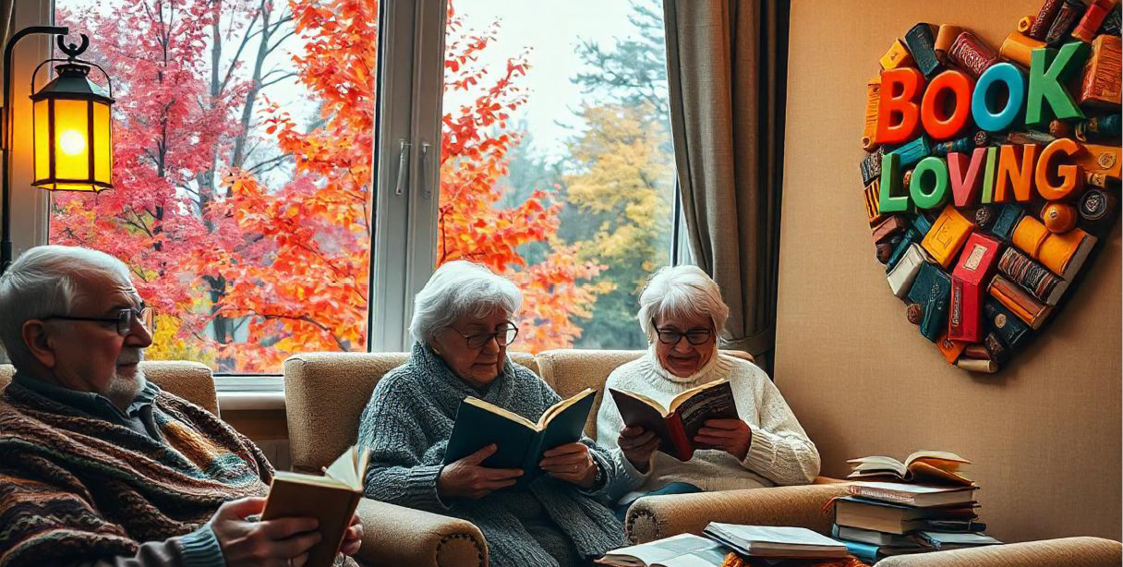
{"points": [[622, 186]]}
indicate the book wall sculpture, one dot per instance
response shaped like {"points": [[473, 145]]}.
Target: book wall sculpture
{"points": [[992, 176]]}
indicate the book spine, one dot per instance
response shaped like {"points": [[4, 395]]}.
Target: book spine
{"points": [[1029, 275], [1019, 302], [684, 448], [882, 495]]}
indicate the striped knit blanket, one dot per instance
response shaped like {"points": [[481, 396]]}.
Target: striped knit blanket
{"points": [[73, 487]]}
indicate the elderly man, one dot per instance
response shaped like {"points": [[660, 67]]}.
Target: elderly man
{"points": [[99, 467]]}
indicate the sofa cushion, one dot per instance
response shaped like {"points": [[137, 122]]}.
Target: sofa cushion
{"points": [[191, 381]]}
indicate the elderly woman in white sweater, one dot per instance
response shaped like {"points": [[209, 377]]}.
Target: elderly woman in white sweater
{"points": [[681, 311]]}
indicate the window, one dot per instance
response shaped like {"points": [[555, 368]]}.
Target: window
{"points": [[556, 165], [288, 174]]}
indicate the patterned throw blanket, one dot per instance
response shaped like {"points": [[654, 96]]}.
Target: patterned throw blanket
{"points": [[74, 487]]}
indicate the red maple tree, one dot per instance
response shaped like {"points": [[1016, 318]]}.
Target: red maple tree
{"points": [[210, 241]]}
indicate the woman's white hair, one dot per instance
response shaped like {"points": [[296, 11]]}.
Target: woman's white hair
{"points": [[678, 292], [459, 288], [45, 281]]}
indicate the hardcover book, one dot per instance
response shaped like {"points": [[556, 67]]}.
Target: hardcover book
{"points": [[331, 498], [1031, 276], [902, 275], [932, 290], [947, 236], [968, 280], [1019, 302], [519, 441], [895, 518], [1064, 254], [919, 495], [775, 541], [678, 423], [1009, 328]]}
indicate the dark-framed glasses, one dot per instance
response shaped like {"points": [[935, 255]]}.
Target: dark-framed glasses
{"points": [[123, 319], [503, 336], [669, 336]]}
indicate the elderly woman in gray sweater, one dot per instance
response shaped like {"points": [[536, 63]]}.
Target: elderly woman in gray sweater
{"points": [[462, 324]]}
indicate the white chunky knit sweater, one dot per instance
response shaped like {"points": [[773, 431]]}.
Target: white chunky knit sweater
{"points": [[780, 452]]}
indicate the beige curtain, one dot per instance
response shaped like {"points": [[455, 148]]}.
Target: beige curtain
{"points": [[727, 74]]}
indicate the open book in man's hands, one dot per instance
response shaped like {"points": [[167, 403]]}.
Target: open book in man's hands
{"points": [[331, 498], [519, 441], [921, 466], [679, 422]]}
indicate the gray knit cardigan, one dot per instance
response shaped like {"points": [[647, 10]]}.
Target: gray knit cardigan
{"points": [[407, 424]]}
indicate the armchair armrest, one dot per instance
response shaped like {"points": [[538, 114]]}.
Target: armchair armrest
{"points": [[396, 535], [1069, 551], [654, 517]]}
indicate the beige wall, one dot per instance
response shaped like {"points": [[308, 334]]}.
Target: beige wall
{"points": [[1044, 434]]}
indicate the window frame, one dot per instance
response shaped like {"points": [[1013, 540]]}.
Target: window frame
{"points": [[410, 88]]}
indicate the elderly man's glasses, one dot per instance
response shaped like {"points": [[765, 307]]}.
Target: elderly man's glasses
{"points": [[503, 336], [669, 336], [124, 319]]}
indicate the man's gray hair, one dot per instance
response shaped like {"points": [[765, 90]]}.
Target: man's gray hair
{"points": [[459, 288], [45, 281], [681, 291]]}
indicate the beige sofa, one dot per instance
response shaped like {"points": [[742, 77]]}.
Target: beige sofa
{"points": [[326, 392], [191, 381]]}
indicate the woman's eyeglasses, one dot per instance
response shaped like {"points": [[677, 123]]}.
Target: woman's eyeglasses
{"points": [[503, 336], [669, 336], [124, 319]]}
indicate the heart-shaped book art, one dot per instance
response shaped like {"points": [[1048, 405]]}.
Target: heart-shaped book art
{"points": [[991, 175]]}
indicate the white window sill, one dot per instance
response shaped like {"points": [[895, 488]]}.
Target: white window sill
{"points": [[233, 401]]}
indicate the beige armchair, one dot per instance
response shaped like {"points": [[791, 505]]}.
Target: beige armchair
{"points": [[325, 394]]}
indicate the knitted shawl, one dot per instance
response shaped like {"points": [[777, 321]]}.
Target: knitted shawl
{"points": [[407, 425], [74, 487]]}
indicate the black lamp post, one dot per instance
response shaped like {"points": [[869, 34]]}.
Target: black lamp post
{"points": [[72, 128]]}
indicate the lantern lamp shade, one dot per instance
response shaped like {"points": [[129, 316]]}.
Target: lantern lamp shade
{"points": [[73, 133]]}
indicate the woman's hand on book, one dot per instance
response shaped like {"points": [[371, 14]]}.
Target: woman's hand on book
{"points": [[353, 537], [638, 444], [572, 463], [466, 478], [277, 542], [730, 435]]}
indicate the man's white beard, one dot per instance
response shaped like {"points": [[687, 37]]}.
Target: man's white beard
{"points": [[125, 387]]}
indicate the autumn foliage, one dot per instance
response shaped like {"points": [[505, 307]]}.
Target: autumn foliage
{"points": [[245, 270]]}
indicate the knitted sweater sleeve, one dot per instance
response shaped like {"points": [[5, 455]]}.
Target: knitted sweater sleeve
{"points": [[780, 450], [609, 425], [404, 463]]}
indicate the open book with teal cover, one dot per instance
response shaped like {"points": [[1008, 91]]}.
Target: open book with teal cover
{"points": [[520, 442]]}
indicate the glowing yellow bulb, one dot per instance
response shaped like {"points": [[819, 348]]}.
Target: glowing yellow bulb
{"points": [[72, 142]]}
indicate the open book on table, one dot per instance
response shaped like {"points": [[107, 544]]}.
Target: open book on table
{"points": [[775, 541], [519, 441], [684, 550], [678, 423], [921, 466], [331, 498]]}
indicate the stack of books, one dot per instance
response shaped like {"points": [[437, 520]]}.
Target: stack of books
{"points": [[928, 506]]}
